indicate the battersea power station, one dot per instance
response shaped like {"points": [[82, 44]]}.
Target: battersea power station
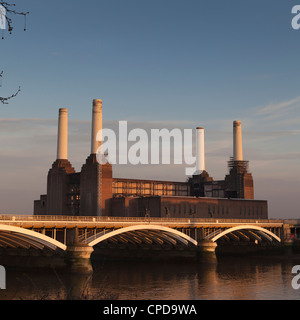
{"points": [[94, 191]]}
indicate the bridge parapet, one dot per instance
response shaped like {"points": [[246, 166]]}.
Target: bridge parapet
{"points": [[89, 220]]}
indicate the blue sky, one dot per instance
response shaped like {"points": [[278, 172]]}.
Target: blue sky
{"points": [[180, 63]]}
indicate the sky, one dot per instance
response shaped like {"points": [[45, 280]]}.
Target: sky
{"points": [[157, 64]]}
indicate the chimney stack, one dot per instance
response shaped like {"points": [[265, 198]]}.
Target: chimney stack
{"points": [[200, 151], [62, 137], [237, 141], [96, 125]]}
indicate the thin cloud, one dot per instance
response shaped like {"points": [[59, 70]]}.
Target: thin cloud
{"points": [[277, 109]]}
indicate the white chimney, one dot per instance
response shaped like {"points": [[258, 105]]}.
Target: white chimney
{"points": [[62, 136], [96, 125], [200, 151], [237, 141]]}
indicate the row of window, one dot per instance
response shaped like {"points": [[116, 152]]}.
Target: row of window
{"points": [[186, 208], [132, 188]]}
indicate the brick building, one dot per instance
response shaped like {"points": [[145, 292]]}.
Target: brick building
{"points": [[94, 191]]}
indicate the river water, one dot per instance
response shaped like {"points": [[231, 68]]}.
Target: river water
{"points": [[230, 278]]}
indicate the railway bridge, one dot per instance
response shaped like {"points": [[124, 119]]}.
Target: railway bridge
{"points": [[76, 237]]}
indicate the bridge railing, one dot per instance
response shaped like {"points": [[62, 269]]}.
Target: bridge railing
{"points": [[129, 219]]}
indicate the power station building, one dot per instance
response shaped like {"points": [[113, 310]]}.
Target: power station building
{"points": [[95, 192]]}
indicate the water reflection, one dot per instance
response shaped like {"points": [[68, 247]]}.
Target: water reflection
{"points": [[228, 278]]}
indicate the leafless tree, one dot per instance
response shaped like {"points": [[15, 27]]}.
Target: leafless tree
{"points": [[6, 16]]}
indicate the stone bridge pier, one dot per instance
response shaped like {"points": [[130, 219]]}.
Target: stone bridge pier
{"points": [[78, 258], [207, 246], [78, 254]]}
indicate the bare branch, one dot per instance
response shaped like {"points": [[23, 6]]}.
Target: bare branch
{"points": [[5, 14], [4, 100], [9, 10]]}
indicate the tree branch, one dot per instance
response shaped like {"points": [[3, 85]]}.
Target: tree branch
{"points": [[5, 15], [4, 100], [8, 7]]}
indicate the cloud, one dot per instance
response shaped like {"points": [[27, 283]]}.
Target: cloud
{"points": [[276, 110]]}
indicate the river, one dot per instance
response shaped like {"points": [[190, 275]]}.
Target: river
{"points": [[229, 278]]}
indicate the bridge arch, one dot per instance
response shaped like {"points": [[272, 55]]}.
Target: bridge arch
{"points": [[19, 237], [162, 233], [259, 230]]}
